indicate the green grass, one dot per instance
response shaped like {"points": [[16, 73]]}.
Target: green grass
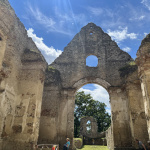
{"points": [[93, 147]]}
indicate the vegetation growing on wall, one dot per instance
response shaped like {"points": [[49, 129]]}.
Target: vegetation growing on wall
{"points": [[50, 68]]}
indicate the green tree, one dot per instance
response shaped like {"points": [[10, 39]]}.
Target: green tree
{"points": [[85, 105]]}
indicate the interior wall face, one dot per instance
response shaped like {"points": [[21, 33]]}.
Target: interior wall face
{"points": [[138, 122], [22, 76], [2, 47], [109, 138], [21, 83], [143, 62], [145, 85], [59, 90], [120, 117]]}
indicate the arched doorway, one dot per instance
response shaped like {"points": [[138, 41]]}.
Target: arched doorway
{"points": [[91, 115]]}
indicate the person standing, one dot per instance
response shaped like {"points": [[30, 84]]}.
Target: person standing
{"points": [[68, 143], [141, 145], [66, 146]]}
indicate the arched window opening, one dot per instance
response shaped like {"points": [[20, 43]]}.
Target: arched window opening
{"points": [[91, 33], [91, 61], [88, 126]]}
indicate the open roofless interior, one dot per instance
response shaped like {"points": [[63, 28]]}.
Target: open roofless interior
{"points": [[37, 100]]}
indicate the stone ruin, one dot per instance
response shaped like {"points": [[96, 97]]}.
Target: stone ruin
{"points": [[37, 99], [91, 137]]}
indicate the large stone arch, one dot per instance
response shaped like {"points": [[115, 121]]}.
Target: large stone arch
{"points": [[69, 72], [86, 80]]}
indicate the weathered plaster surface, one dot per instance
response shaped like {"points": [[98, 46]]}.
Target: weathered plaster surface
{"points": [[73, 73], [143, 62], [23, 74], [22, 70]]}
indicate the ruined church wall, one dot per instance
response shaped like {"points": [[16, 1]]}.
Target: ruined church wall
{"points": [[22, 70], [143, 62], [138, 122], [72, 62], [49, 122], [145, 85], [109, 138], [74, 73], [21, 83], [120, 118]]}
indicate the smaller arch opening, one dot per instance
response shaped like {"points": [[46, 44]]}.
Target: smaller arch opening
{"points": [[0, 39], [91, 33], [91, 61], [88, 126]]}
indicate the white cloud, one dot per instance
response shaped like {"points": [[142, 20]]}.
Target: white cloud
{"points": [[49, 53], [60, 24], [145, 34], [121, 34], [141, 17], [40, 17], [137, 18], [127, 49], [146, 3], [59, 21], [95, 11], [100, 94]]}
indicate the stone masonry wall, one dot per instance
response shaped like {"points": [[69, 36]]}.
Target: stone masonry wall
{"points": [[22, 76], [109, 138], [94, 128], [120, 117], [143, 62], [21, 83], [136, 108], [73, 74]]}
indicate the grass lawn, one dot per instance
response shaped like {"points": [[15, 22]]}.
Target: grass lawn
{"points": [[94, 147]]}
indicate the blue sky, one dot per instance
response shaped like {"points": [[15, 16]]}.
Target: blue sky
{"points": [[52, 24]]}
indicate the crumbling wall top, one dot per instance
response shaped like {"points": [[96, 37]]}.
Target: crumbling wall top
{"points": [[91, 40], [144, 48]]}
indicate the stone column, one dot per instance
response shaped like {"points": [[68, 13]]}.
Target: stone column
{"points": [[70, 116], [2, 51], [145, 86], [143, 62], [120, 118], [2, 48], [136, 109], [24, 129], [31, 91], [66, 117]]}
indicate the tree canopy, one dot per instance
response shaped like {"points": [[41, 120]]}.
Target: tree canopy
{"points": [[85, 105]]}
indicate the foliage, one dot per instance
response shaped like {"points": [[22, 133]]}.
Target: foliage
{"points": [[85, 105], [50, 68], [33, 50]]}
